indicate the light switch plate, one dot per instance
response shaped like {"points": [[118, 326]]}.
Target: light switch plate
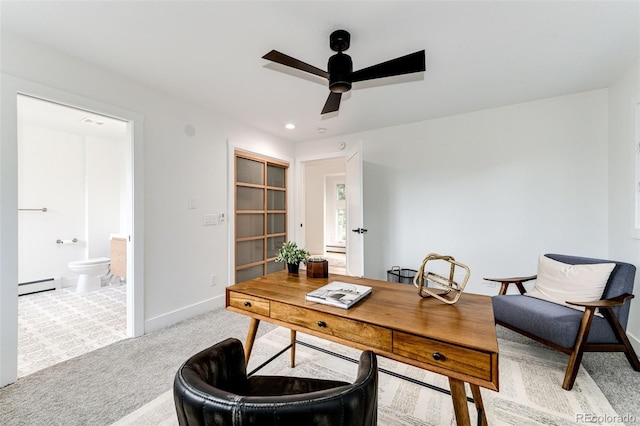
{"points": [[210, 219]]}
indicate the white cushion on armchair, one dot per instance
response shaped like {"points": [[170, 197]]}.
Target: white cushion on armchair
{"points": [[560, 282]]}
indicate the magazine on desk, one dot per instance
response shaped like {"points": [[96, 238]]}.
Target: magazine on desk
{"points": [[340, 294]]}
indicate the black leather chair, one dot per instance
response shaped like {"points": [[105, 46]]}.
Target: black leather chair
{"points": [[212, 388]]}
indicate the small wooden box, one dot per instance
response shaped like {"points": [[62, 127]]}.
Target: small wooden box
{"points": [[317, 268]]}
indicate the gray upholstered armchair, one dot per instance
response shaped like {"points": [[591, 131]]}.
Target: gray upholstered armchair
{"points": [[569, 330], [212, 388]]}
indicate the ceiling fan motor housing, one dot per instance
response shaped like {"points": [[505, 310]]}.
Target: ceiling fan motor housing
{"points": [[340, 68]]}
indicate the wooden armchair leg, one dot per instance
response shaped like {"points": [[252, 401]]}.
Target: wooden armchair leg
{"points": [[631, 354], [578, 349], [622, 337]]}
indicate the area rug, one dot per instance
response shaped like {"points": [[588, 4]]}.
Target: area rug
{"points": [[530, 387]]}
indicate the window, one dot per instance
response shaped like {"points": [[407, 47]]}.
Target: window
{"points": [[340, 194], [341, 228], [341, 213], [261, 215]]}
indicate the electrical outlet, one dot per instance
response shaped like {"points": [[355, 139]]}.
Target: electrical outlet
{"points": [[213, 280]]}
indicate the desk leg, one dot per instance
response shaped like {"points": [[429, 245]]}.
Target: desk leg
{"points": [[293, 348], [251, 337], [477, 397], [459, 397]]}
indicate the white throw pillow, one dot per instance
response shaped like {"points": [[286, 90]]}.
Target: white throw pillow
{"points": [[560, 282]]}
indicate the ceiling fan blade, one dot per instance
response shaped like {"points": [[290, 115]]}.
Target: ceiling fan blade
{"points": [[414, 62], [283, 59], [333, 103]]}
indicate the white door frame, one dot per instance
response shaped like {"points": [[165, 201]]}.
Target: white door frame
{"points": [[11, 88]]}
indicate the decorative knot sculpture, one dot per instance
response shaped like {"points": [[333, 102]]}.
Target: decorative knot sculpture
{"points": [[432, 284]]}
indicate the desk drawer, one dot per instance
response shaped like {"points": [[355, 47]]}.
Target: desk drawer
{"points": [[249, 303], [343, 328], [444, 355]]}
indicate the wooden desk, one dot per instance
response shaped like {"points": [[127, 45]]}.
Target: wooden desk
{"points": [[458, 341]]}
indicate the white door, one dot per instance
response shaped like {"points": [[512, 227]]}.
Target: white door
{"points": [[355, 228]]}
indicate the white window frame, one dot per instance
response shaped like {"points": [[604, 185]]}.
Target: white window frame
{"points": [[636, 187]]}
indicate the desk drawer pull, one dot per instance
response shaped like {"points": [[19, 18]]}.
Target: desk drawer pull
{"points": [[247, 303], [438, 356], [322, 324]]}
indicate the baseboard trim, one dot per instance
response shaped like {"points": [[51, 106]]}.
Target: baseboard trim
{"points": [[173, 317], [37, 286], [335, 249]]}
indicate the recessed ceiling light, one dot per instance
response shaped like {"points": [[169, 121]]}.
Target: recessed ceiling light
{"points": [[290, 126], [321, 130]]}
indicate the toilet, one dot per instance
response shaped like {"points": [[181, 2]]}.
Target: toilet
{"points": [[90, 271]]}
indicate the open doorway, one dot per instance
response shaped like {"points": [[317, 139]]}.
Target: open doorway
{"points": [[73, 207], [335, 222], [335, 214], [311, 195], [325, 211]]}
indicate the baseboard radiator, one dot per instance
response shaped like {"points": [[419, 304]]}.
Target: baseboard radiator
{"points": [[38, 286], [336, 249]]}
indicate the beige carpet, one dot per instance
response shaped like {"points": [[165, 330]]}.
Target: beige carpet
{"points": [[530, 391]]}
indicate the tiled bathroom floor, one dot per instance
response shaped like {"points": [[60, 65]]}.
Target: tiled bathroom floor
{"points": [[57, 325]]}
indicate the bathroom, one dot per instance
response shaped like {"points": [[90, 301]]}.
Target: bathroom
{"points": [[73, 203]]}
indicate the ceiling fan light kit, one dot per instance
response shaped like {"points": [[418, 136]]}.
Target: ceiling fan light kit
{"points": [[340, 72]]}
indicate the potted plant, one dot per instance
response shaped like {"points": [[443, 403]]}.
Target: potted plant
{"points": [[292, 255]]}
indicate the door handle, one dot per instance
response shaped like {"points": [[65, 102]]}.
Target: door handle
{"points": [[359, 230]]}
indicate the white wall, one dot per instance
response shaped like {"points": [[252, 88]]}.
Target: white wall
{"points": [[180, 253], [493, 188], [624, 94], [106, 179], [40, 183]]}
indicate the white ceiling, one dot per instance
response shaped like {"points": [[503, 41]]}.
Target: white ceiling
{"points": [[480, 54]]}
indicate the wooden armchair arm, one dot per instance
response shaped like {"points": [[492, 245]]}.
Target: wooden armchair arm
{"points": [[515, 280], [604, 303]]}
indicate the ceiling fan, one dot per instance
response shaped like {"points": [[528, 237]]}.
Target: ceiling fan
{"points": [[340, 68]]}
